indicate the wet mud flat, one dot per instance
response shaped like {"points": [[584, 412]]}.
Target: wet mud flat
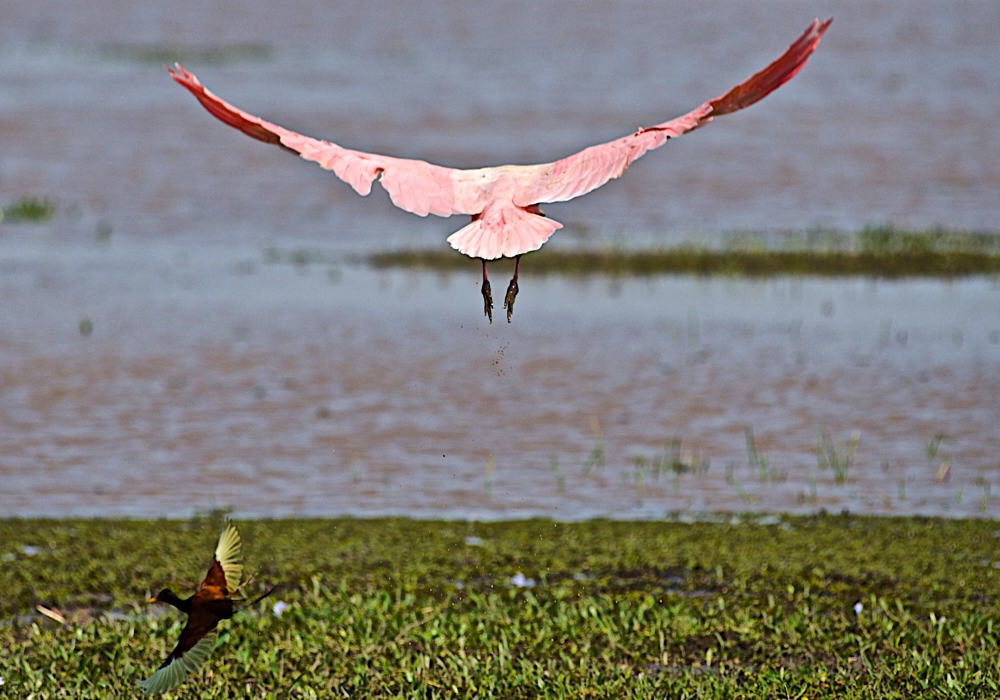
{"points": [[154, 360], [146, 378]]}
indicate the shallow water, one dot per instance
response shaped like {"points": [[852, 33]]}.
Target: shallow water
{"points": [[213, 379]]}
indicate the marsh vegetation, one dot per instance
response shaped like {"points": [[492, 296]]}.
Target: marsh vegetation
{"points": [[872, 252], [28, 210]]}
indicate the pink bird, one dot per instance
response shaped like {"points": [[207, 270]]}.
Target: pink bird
{"points": [[503, 201]]}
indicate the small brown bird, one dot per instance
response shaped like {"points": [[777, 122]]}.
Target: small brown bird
{"points": [[210, 604]]}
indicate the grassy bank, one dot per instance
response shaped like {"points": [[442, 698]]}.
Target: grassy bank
{"points": [[397, 608], [875, 252], [709, 262]]}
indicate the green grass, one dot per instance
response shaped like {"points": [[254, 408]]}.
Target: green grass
{"points": [[747, 263], [400, 608], [873, 252], [28, 210]]}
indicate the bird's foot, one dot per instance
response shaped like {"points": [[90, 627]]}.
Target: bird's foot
{"points": [[488, 300], [508, 301]]}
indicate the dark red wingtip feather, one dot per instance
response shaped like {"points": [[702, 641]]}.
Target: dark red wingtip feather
{"points": [[221, 111], [762, 84]]}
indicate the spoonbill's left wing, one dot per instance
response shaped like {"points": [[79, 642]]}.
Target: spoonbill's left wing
{"points": [[592, 167], [413, 185]]}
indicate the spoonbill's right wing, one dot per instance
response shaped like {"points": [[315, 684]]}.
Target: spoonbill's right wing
{"points": [[592, 167], [413, 185]]}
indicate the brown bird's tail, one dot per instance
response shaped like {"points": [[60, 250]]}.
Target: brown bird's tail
{"points": [[259, 598]]}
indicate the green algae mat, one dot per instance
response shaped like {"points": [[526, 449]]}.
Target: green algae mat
{"points": [[743, 607]]}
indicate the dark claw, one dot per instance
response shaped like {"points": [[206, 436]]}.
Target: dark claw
{"points": [[508, 301], [488, 300]]}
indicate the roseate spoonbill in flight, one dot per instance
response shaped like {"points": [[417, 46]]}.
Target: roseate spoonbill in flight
{"points": [[210, 604], [503, 200]]}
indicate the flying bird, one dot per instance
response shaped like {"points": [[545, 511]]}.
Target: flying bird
{"points": [[210, 604], [503, 201]]}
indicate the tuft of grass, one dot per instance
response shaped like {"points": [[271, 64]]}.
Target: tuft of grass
{"points": [[819, 606], [889, 239], [560, 477], [671, 460], [596, 456], [748, 499], [829, 457], [759, 462], [28, 210], [491, 464]]}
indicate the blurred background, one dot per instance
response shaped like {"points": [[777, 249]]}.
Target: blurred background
{"points": [[187, 321]]}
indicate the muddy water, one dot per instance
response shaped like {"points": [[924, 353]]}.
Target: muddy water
{"points": [[895, 120], [213, 379]]}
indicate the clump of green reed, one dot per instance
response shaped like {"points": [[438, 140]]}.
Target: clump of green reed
{"points": [[943, 471], [673, 460], [839, 460], [560, 477], [596, 456], [934, 444], [31, 210], [491, 464], [747, 498], [759, 462]]}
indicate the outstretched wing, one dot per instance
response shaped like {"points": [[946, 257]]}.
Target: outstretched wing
{"points": [[185, 659], [226, 569], [592, 167], [413, 185]]}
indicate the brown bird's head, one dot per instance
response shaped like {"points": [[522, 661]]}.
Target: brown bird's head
{"points": [[169, 597]]}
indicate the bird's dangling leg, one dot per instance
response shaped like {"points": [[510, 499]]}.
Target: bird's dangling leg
{"points": [[487, 294], [508, 301]]}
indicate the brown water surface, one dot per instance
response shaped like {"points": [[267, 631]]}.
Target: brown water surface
{"points": [[210, 378]]}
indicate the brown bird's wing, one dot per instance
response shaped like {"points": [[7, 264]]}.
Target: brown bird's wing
{"points": [[187, 657], [226, 569]]}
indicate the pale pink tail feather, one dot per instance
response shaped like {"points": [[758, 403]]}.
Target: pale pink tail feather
{"points": [[516, 232]]}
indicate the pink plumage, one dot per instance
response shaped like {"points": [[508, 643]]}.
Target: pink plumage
{"points": [[503, 201]]}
